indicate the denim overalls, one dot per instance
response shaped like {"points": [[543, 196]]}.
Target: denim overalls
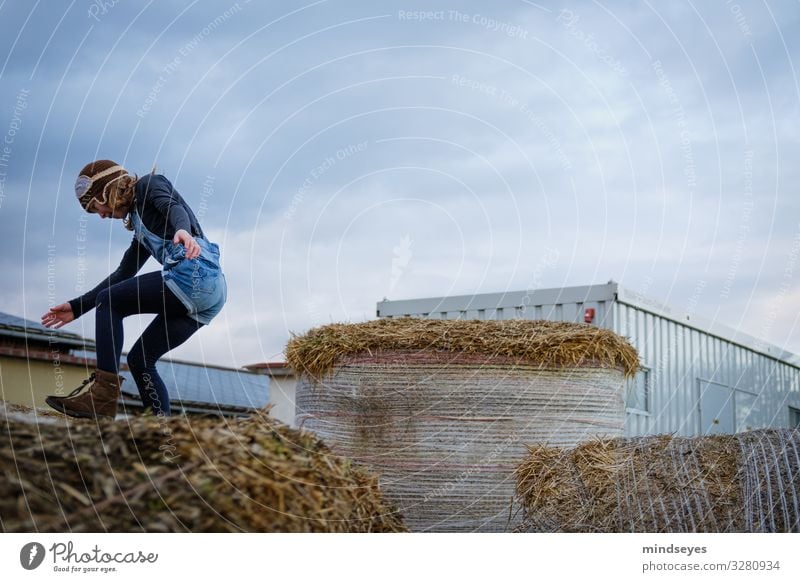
{"points": [[199, 283]]}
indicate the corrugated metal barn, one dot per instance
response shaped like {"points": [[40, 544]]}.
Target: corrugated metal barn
{"points": [[698, 377]]}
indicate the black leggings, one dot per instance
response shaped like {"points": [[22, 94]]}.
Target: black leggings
{"points": [[171, 327]]}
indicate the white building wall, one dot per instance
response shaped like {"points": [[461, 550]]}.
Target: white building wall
{"points": [[282, 396]]}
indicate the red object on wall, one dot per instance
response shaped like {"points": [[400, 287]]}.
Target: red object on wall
{"points": [[588, 315]]}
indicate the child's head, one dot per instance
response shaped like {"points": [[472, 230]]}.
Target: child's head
{"points": [[104, 187]]}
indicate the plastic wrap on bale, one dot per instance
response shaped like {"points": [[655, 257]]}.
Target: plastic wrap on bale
{"points": [[442, 409]]}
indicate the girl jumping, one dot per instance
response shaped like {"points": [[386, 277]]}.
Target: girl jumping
{"points": [[185, 295]]}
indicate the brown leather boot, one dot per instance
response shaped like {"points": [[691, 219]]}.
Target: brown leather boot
{"points": [[99, 401]]}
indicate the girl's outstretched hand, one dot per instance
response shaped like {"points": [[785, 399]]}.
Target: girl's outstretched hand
{"points": [[187, 240], [58, 316]]}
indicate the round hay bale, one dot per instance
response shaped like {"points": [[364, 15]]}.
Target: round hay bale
{"points": [[442, 409], [179, 474], [747, 482]]}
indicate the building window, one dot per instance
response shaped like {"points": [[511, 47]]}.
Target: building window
{"points": [[794, 417], [638, 392]]}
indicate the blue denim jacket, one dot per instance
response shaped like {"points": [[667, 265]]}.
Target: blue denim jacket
{"points": [[199, 283]]}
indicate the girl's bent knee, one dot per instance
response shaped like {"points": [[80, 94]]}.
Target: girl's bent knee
{"points": [[103, 299]]}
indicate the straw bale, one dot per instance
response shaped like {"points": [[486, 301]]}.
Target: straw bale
{"points": [[179, 474], [445, 430], [747, 482], [546, 343]]}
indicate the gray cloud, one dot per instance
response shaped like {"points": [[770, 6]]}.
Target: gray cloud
{"points": [[357, 153]]}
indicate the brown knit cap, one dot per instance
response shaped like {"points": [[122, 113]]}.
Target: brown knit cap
{"points": [[93, 181]]}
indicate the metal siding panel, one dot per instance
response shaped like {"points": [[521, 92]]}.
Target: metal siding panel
{"points": [[695, 348], [678, 403], [630, 325], [759, 367], [639, 342], [725, 362], [777, 383], [716, 361], [672, 398], [737, 366], [777, 400], [696, 368], [569, 312], [641, 338], [605, 314], [622, 318], [664, 378], [655, 375], [767, 403], [790, 396], [770, 392], [686, 386], [710, 366], [699, 348]]}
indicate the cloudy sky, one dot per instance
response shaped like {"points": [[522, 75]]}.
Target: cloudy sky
{"points": [[343, 152]]}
